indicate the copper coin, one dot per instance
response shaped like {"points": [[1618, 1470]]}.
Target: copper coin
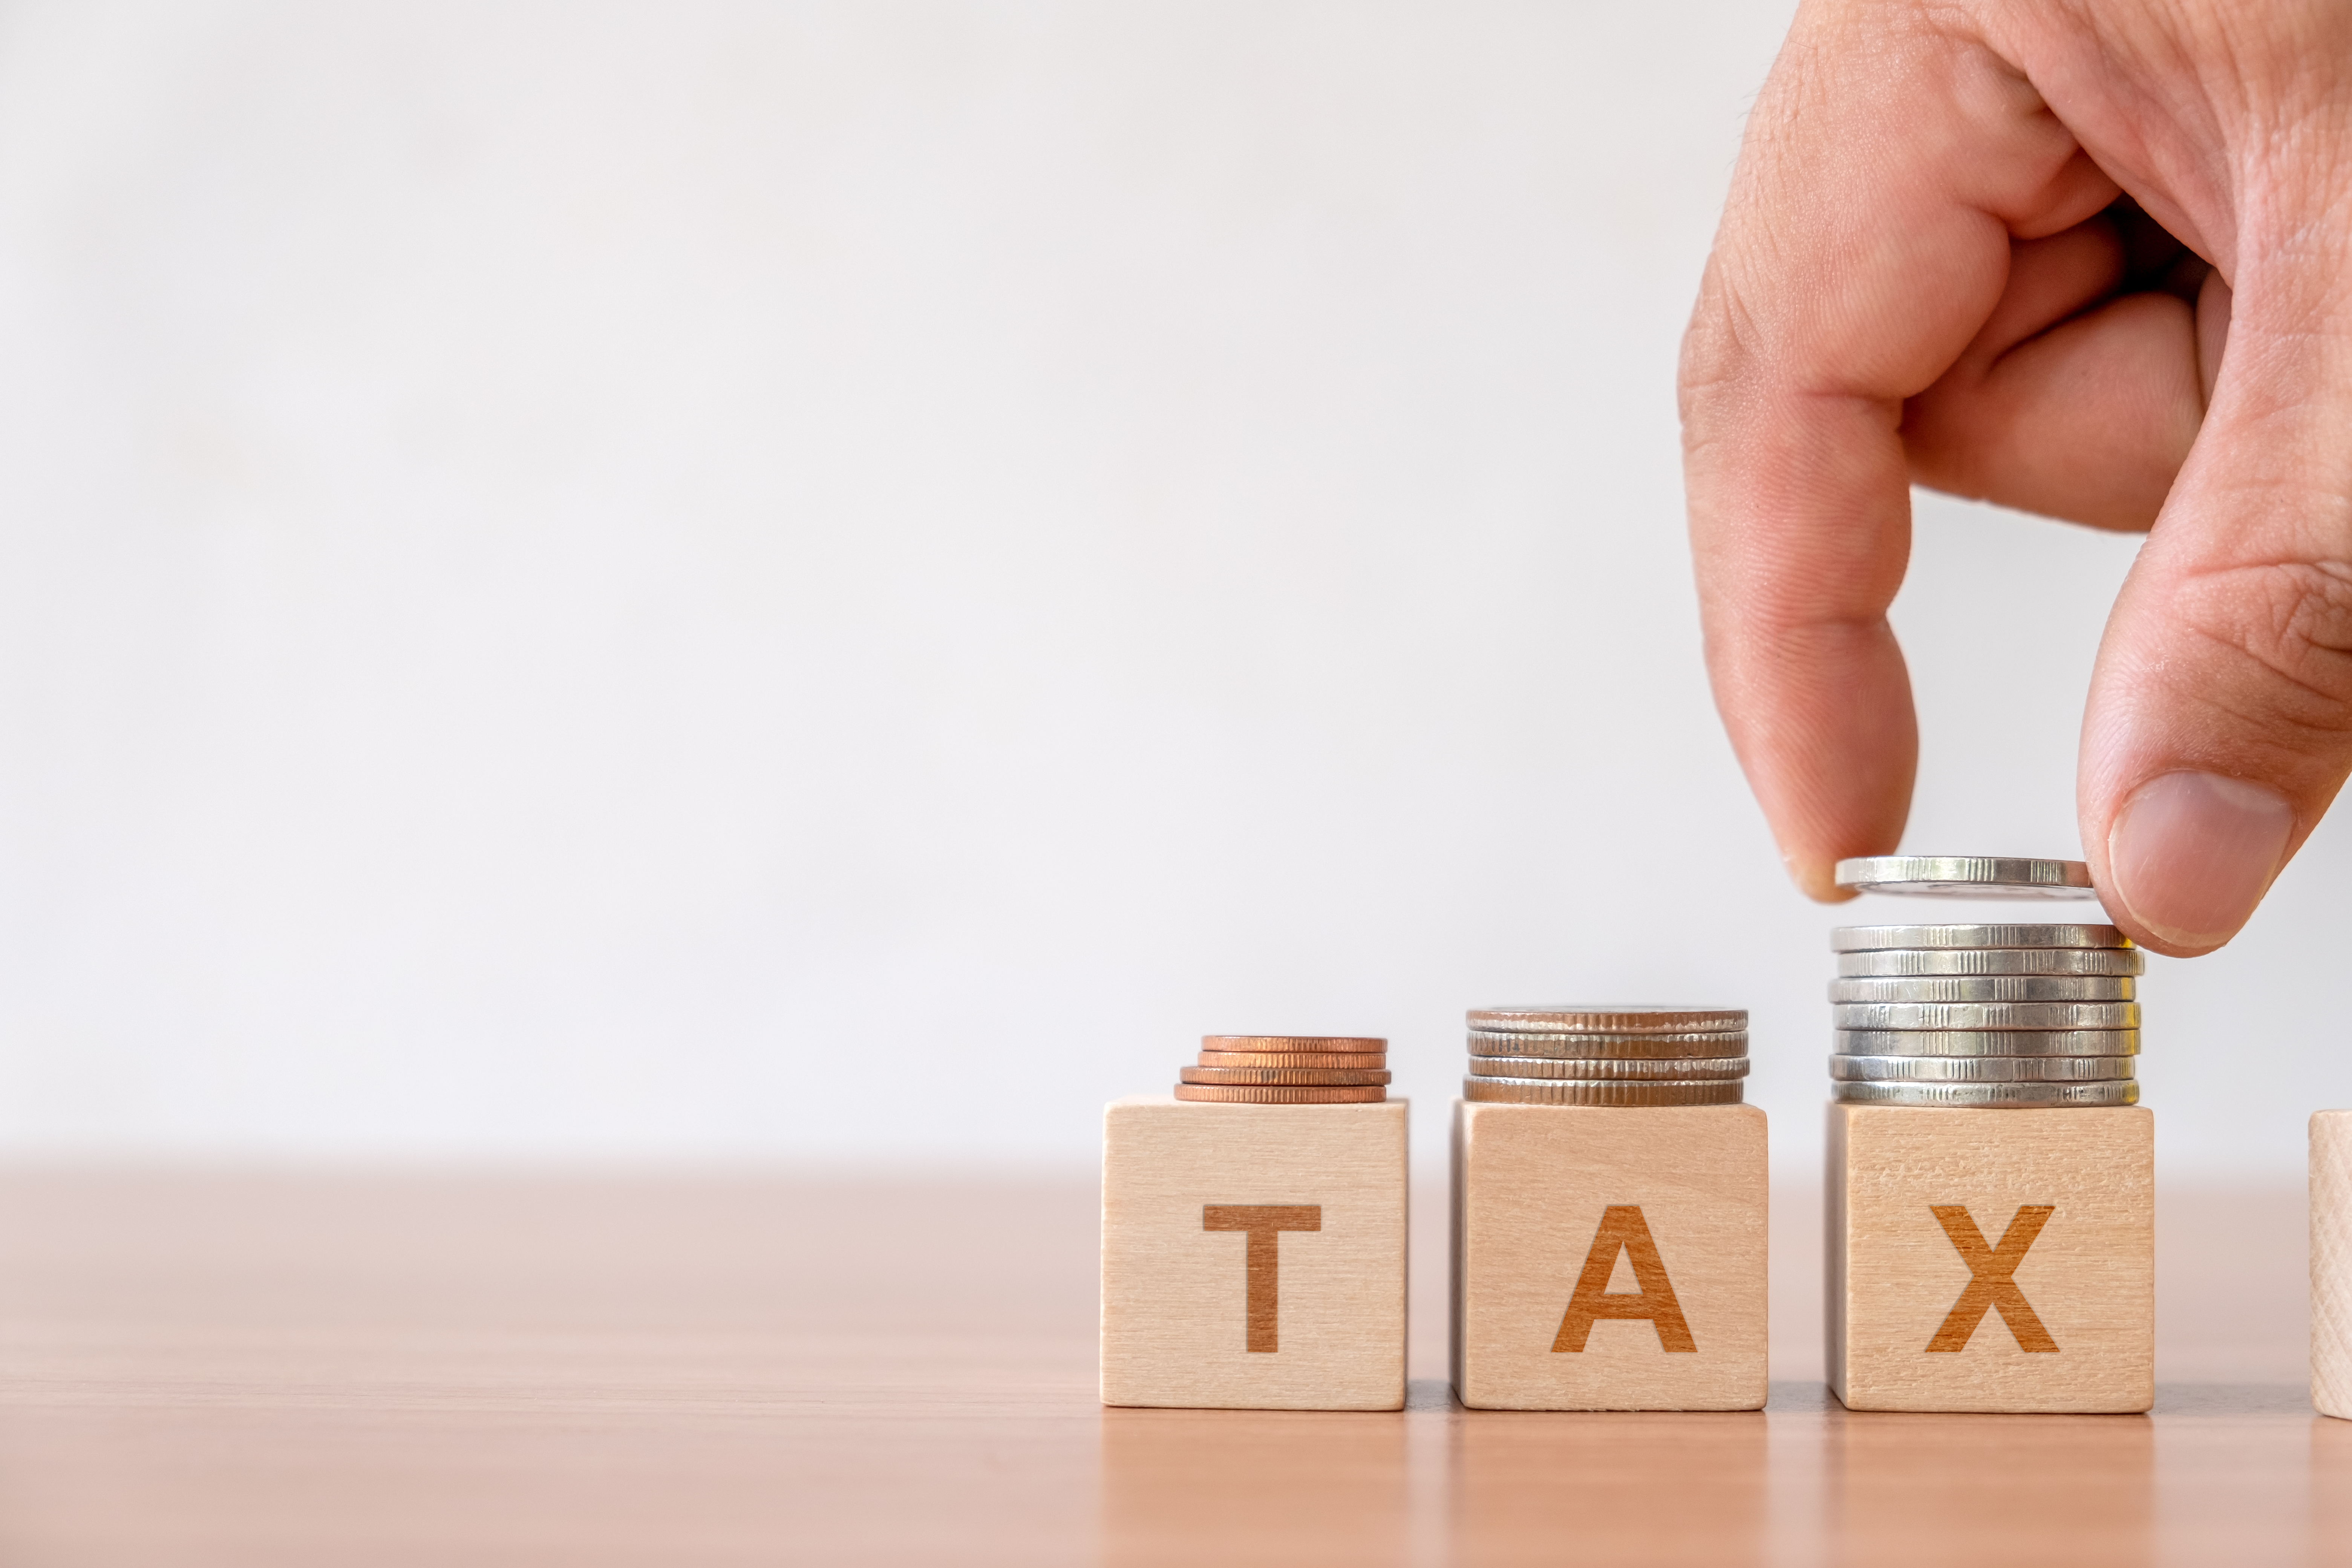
{"points": [[1260, 1094], [1366, 1061], [1292, 1043], [1495, 1043], [1327, 1078]]}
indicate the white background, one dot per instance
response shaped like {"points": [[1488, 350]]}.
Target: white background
{"points": [[843, 580]]}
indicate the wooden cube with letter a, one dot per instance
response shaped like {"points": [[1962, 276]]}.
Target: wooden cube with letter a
{"points": [[1253, 1256], [1609, 1257], [1998, 1260]]}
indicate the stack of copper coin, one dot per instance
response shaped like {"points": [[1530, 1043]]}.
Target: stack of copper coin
{"points": [[1620, 1054], [1288, 1069]]}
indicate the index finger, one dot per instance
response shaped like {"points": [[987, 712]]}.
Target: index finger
{"points": [[1887, 166]]}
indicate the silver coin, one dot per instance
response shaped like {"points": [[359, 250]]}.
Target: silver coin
{"points": [[1986, 1042], [1978, 1070], [1986, 988], [1966, 877], [1989, 1096], [1994, 961], [1986, 1014], [1603, 1018], [1634, 1068], [1873, 939], [1584, 1091], [1487, 1043]]}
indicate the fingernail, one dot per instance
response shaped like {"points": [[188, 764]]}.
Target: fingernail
{"points": [[2191, 853]]}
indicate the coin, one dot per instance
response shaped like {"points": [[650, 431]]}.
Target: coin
{"points": [[1608, 1019], [1685, 1068], [1989, 1096], [1966, 877], [1986, 1014], [1869, 939], [1489, 1043], [1368, 1061], [1986, 988], [1986, 1042], [1994, 961], [1357, 1043], [1329, 1077], [1259, 1094], [1978, 1070], [1584, 1091]]}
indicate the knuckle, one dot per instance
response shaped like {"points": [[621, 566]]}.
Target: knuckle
{"points": [[2292, 620]]}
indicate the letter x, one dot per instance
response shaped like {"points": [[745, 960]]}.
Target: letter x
{"points": [[1990, 1285]]}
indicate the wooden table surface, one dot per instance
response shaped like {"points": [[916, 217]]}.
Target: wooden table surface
{"points": [[336, 1369]]}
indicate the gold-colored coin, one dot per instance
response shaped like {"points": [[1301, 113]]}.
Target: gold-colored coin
{"points": [[1292, 1043], [1498, 1043], [1609, 1018], [1684, 1069], [1261, 1094], [1564, 1091], [1366, 1061], [1327, 1078]]}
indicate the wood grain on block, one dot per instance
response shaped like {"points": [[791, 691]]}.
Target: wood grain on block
{"points": [[2331, 1262], [1993, 1260], [1609, 1257], [1253, 1256]]}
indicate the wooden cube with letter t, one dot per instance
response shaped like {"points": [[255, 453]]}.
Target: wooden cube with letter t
{"points": [[1253, 1256], [1609, 1257], [1992, 1259]]}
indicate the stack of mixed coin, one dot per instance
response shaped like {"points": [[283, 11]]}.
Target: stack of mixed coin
{"points": [[1288, 1069], [1607, 1056], [1991, 1015]]}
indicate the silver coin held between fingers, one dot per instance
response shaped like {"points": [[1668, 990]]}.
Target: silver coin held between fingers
{"points": [[1876, 939], [1985, 988], [1688, 1068], [1986, 1042], [1978, 1070], [1989, 1096], [1986, 1014], [1924, 962], [1966, 877]]}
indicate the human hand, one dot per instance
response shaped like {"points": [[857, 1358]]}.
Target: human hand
{"points": [[1934, 267]]}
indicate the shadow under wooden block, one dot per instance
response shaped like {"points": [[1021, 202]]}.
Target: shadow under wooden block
{"points": [[1991, 1260], [1253, 1256], [1610, 1258]]}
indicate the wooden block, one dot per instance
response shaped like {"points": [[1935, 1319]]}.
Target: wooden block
{"points": [[2331, 1262], [1253, 1256], [1609, 1257], [1999, 1260]]}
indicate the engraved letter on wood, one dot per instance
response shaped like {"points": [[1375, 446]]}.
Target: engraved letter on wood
{"points": [[1989, 1286], [1623, 1228], [1264, 1223]]}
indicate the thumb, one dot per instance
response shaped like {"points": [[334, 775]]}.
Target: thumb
{"points": [[2220, 722]]}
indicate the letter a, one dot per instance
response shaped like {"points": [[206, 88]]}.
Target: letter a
{"points": [[1621, 1227]]}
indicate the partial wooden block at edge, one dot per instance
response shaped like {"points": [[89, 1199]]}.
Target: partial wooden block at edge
{"points": [[1991, 1260], [2331, 1262], [1551, 1201], [1186, 1292]]}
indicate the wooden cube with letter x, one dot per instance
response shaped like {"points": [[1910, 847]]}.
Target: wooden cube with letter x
{"points": [[1609, 1257], [1992, 1259], [1254, 1254]]}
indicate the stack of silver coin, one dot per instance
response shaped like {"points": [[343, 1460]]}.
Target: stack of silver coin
{"points": [[1607, 1056], [1994, 1016]]}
